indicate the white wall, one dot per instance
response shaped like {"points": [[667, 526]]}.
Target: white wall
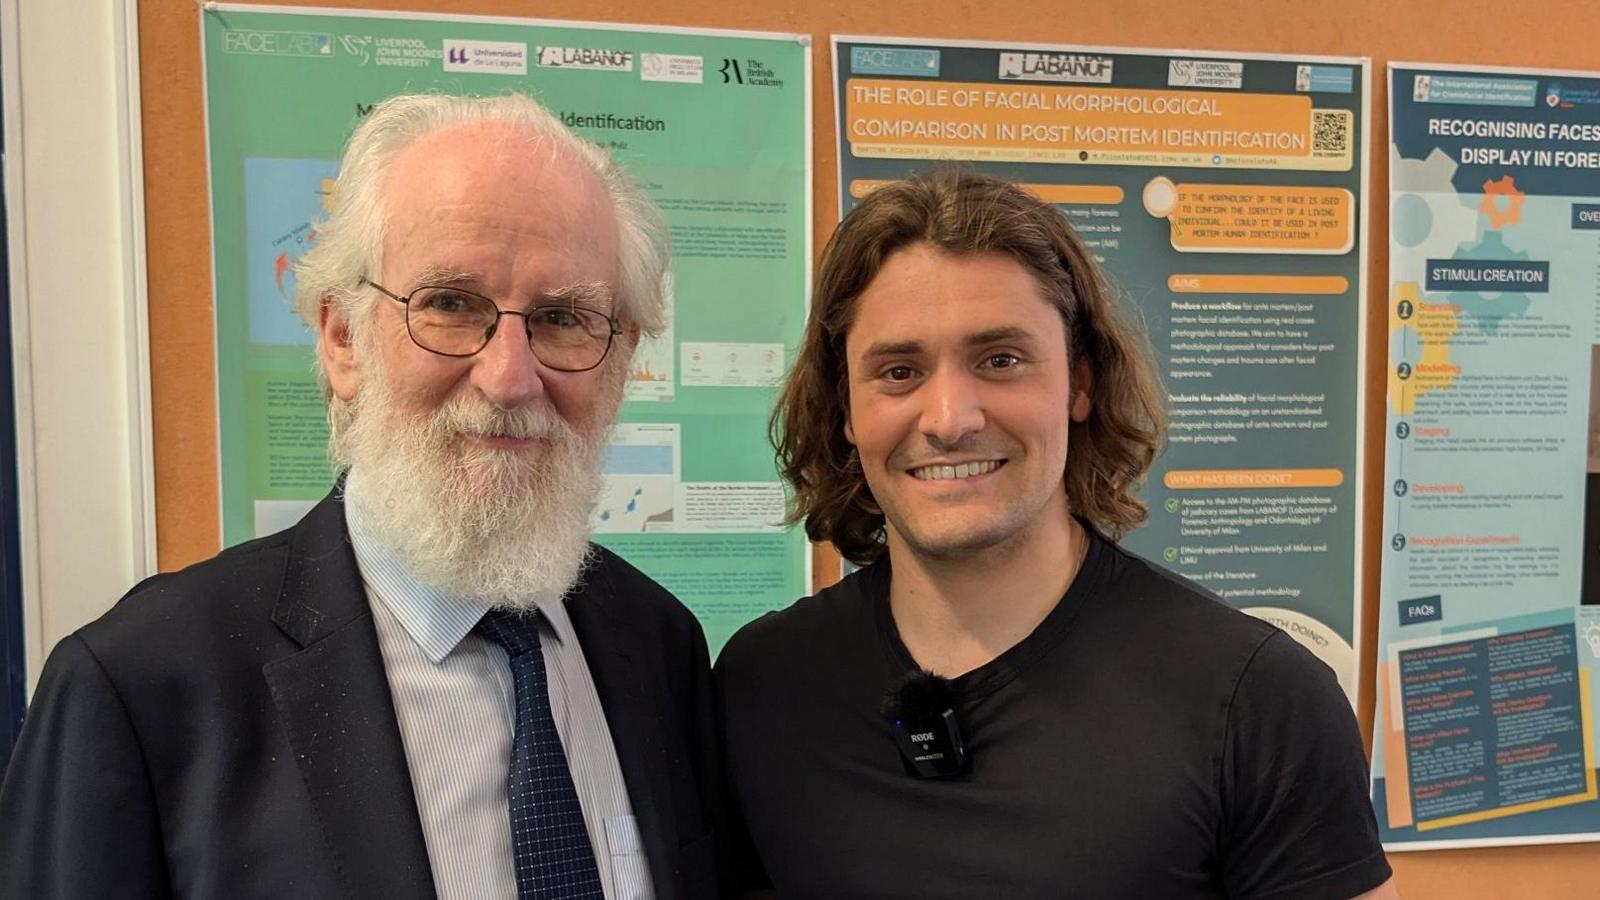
{"points": [[74, 195]]}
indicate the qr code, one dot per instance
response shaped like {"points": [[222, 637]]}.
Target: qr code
{"points": [[1330, 131]]}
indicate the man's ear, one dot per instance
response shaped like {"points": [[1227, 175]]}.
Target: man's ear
{"points": [[337, 351], [849, 429], [1081, 403]]}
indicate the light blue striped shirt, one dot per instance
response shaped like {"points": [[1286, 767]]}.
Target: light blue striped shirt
{"points": [[455, 702]]}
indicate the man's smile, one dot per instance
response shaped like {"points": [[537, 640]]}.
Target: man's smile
{"points": [[956, 471]]}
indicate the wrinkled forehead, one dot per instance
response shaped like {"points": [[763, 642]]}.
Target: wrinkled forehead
{"points": [[485, 195], [511, 148], [508, 163]]}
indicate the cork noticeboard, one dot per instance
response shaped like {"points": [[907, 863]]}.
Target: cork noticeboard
{"points": [[1542, 33]]}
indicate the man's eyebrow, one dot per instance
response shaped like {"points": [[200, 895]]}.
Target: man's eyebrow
{"points": [[893, 348], [1001, 333], [437, 274], [593, 294], [913, 347]]}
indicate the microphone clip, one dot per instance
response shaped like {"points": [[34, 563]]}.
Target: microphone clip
{"points": [[926, 732]]}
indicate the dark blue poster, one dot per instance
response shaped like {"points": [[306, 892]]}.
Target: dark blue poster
{"points": [[1490, 627], [12, 671]]}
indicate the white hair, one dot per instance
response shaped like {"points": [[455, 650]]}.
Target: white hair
{"points": [[349, 244]]}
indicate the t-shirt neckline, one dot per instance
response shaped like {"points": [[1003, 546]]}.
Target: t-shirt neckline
{"points": [[977, 684]]}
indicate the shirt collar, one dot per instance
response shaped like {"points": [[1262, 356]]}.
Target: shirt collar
{"points": [[435, 620]]}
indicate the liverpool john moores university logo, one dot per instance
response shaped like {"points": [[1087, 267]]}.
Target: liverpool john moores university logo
{"points": [[589, 58], [403, 53], [357, 45]]}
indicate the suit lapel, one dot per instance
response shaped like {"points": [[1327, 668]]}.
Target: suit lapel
{"points": [[333, 700], [611, 646]]}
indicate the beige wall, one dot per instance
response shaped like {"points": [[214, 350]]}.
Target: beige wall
{"points": [[73, 184]]}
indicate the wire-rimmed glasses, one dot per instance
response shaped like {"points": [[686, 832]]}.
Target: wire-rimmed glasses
{"points": [[452, 321]]}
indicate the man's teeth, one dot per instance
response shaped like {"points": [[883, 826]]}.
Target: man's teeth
{"points": [[965, 470]]}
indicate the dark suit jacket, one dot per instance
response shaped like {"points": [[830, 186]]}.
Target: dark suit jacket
{"points": [[227, 731]]}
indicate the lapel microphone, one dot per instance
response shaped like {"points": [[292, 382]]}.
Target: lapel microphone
{"points": [[922, 711]]}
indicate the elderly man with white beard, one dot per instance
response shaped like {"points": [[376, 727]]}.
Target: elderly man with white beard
{"points": [[433, 685]]}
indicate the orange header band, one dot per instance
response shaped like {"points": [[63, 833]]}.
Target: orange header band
{"points": [[1049, 193], [1211, 479], [1257, 284], [1079, 117]]}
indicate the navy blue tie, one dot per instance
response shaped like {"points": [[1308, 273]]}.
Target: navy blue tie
{"points": [[549, 844]]}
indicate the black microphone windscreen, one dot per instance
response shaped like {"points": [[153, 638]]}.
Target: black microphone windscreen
{"points": [[922, 695]]}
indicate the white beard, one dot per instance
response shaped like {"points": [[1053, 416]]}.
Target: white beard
{"points": [[499, 528]]}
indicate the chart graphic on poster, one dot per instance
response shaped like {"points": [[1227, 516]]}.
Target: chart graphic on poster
{"points": [[690, 478], [1489, 614], [1225, 196]]}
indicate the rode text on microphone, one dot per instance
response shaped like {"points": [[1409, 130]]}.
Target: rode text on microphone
{"points": [[922, 712]]}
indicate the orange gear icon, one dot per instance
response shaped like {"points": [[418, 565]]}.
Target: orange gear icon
{"points": [[1501, 216]]}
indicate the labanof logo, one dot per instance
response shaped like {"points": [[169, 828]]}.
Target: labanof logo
{"points": [[749, 72], [585, 58], [492, 57], [277, 43], [1055, 67]]}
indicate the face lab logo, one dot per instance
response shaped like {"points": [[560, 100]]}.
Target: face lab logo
{"points": [[277, 43], [1055, 67], [585, 58], [1552, 95], [357, 45]]}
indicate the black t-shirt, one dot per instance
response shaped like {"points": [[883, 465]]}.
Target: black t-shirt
{"points": [[1145, 740]]}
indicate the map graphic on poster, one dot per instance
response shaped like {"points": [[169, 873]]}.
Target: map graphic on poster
{"points": [[1225, 196], [726, 159], [1489, 627], [641, 480], [283, 200]]}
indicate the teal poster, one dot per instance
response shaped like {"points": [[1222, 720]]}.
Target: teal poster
{"points": [[1225, 196], [714, 125], [1489, 614]]}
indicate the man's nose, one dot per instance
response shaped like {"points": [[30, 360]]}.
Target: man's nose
{"points": [[953, 408], [506, 371]]}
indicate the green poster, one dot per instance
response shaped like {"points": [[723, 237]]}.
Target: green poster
{"points": [[715, 126]]}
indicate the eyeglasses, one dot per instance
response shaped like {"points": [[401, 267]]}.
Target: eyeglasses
{"points": [[450, 321]]}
